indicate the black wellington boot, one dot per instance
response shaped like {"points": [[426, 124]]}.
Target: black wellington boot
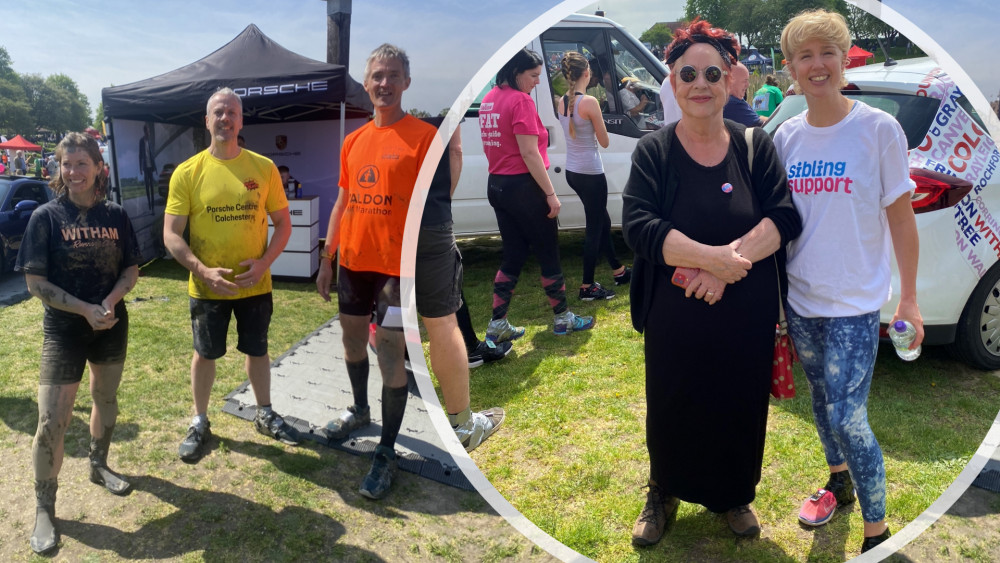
{"points": [[99, 472], [45, 538]]}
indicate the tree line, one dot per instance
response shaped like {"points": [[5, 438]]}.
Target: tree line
{"points": [[759, 22], [29, 102]]}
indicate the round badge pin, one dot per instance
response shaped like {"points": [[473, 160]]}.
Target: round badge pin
{"points": [[727, 188]]}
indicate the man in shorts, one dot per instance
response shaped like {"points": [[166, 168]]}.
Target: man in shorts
{"points": [[378, 168], [438, 281], [226, 194]]}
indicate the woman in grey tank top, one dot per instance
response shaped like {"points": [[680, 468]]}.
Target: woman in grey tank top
{"points": [[582, 121]]}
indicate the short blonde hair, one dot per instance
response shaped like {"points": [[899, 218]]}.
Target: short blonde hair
{"points": [[824, 25], [819, 24]]}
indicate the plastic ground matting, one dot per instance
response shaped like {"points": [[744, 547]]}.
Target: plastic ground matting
{"points": [[309, 387], [989, 477]]}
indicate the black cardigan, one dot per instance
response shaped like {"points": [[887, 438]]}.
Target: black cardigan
{"points": [[649, 196]]}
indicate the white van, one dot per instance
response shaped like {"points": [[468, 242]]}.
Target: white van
{"points": [[618, 55]]}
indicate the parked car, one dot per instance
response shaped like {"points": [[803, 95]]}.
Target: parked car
{"points": [[19, 197], [953, 161]]}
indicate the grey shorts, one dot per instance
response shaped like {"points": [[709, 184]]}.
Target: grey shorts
{"points": [[69, 343], [210, 325], [438, 275]]}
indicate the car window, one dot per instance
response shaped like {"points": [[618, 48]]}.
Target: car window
{"points": [[30, 191], [4, 188], [965, 104], [914, 113]]}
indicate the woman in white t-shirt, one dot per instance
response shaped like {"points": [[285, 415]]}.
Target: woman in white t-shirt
{"points": [[848, 173]]}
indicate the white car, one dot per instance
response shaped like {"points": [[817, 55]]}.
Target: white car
{"points": [[954, 162]]}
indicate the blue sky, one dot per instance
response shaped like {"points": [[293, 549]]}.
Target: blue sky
{"points": [[117, 41]]}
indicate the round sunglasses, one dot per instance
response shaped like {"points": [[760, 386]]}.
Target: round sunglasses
{"points": [[712, 74]]}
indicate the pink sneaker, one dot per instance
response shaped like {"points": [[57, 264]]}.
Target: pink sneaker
{"points": [[818, 509]]}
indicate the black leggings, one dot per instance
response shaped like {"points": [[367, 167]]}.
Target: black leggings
{"points": [[593, 192], [521, 210]]}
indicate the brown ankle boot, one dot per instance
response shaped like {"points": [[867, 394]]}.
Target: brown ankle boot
{"points": [[652, 522], [45, 537], [99, 472]]}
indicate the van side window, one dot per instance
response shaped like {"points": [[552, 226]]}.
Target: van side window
{"points": [[625, 78], [639, 88]]}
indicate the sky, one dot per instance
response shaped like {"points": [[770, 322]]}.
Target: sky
{"points": [[116, 42]]}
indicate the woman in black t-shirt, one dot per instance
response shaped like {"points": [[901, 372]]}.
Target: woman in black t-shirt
{"points": [[80, 258]]}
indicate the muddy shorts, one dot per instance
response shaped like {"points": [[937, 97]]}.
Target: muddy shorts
{"points": [[438, 272], [210, 324], [69, 343], [359, 292]]}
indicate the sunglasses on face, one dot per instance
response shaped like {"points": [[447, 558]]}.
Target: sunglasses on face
{"points": [[713, 74]]}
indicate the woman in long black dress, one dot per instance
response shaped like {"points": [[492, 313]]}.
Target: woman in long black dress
{"points": [[694, 200]]}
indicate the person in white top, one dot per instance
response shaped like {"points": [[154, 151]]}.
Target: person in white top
{"points": [[847, 170]]}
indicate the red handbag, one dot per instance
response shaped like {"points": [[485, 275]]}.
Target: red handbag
{"points": [[782, 382]]}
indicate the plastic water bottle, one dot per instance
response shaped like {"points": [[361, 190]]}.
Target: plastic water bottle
{"points": [[902, 334]]}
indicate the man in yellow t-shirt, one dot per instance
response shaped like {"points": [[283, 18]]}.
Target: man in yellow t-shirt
{"points": [[378, 168], [226, 194]]}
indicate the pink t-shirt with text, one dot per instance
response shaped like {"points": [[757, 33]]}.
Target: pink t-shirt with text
{"points": [[504, 113]]}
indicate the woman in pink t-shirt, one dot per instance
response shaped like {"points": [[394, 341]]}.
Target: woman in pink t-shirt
{"points": [[522, 194]]}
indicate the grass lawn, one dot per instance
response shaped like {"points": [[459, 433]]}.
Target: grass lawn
{"points": [[572, 455], [250, 498]]}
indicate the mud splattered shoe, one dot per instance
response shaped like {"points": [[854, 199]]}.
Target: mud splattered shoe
{"points": [[376, 484], [500, 330], [99, 471], [194, 442], [273, 425], [45, 537], [349, 421]]}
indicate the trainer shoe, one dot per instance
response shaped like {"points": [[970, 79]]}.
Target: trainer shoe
{"points": [[274, 426], [480, 426], [376, 484], [567, 322], [624, 277], [819, 508], [488, 351], [191, 445], [595, 291], [742, 521], [349, 421], [870, 542], [500, 330], [655, 516]]}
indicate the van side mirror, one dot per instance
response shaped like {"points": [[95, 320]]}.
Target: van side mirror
{"points": [[26, 207]]}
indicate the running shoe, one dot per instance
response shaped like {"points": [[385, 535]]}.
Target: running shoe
{"points": [[567, 322], [480, 426], [273, 425], [595, 291], [376, 484], [348, 421], [818, 509], [488, 351], [624, 277], [500, 330], [194, 441]]}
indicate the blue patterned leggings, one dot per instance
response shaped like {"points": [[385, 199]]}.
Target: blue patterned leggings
{"points": [[838, 356]]}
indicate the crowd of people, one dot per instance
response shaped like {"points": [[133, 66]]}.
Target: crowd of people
{"points": [[707, 196]]}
